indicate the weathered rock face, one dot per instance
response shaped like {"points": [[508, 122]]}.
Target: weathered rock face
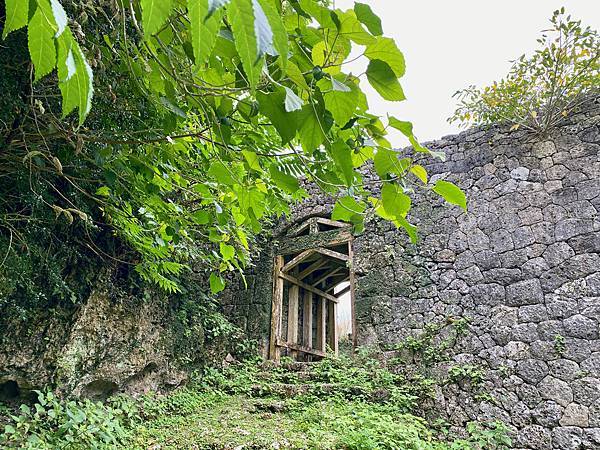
{"points": [[113, 342], [523, 265]]}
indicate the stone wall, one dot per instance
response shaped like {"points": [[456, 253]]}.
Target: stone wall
{"points": [[523, 265]]}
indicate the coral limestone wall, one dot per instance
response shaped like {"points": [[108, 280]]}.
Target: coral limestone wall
{"points": [[521, 269]]}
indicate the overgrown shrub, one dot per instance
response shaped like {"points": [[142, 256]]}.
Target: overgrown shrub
{"points": [[541, 89]]}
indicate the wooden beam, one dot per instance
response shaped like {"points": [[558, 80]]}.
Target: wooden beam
{"points": [[333, 254], [333, 333], [310, 269], [333, 223], [307, 318], [321, 325], [276, 305], [314, 226], [301, 348], [296, 244], [352, 294], [340, 279], [292, 322], [326, 275], [307, 286], [298, 259]]}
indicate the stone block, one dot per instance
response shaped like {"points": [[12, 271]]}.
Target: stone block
{"points": [[527, 292]]}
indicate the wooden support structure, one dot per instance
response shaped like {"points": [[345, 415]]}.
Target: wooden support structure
{"points": [[322, 325], [316, 263], [276, 306], [332, 338], [292, 322], [307, 319], [308, 287]]}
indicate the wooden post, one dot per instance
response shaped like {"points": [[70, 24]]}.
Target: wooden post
{"points": [[292, 323], [352, 297], [333, 333], [276, 305], [307, 319], [321, 324]]}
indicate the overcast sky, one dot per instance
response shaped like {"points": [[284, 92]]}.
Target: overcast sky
{"points": [[449, 45]]}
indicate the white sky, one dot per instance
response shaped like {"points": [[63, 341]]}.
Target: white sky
{"points": [[449, 45]]}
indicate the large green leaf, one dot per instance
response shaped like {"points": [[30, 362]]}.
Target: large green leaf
{"points": [[241, 17], [40, 34], [217, 284], [384, 80], [75, 77], [451, 193], [205, 29], [351, 28], [342, 156], [272, 106], [395, 202], [17, 15], [385, 49], [341, 104], [385, 161], [347, 209], [284, 181], [279, 34], [311, 127], [365, 14], [221, 173], [154, 14]]}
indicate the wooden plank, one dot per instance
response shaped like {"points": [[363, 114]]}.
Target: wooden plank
{"points": [[310, 269], [307, 318], [301, 348], [327, 275], [290, 244], [298, 259], [292, 323], [321, 325], [300, 228], [332, 325], [333, 223], [331, 253], [308, 287], [351, 286], [276, 305]]}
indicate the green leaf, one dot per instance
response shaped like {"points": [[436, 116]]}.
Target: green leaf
{"points": [[351, 28], [394, 201], [154, 14], [339, 86], [60, 16], [214, 5], [342, 156], [76, 87], [341, 104], [40, 35], [241, 17], [384, 80], [227, 251], [410, 229], [365, 14], [294, 74], [347, 209], [17, 15], [385, 161], [263, 32], [292, 101], [451, 193], [219, 172], [323, 15], [280, 37], [420, 172], [272, 106], [217, 284], [201, 217], [284, 181], [385, 49], [252, 160], [205, 29], [311, 129]]}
